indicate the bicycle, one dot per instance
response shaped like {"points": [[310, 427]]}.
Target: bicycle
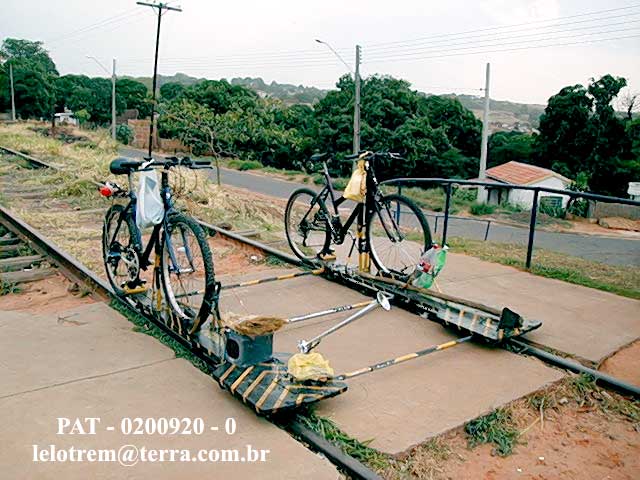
{"points": [[183, 260], [391, 229]]}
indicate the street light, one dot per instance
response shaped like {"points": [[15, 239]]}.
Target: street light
{"points": [[356, 106], [113, 92]]}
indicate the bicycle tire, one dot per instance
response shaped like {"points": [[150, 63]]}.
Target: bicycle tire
{"points": [[113, 214], [287, 215], [423, 224], [191, 320]]}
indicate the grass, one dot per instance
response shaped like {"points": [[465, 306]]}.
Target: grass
{"points": [[244, 164], [481, 209], [497, 428], [621, 280]]}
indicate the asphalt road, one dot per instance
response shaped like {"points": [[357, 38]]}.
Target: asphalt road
{"points": [[610, 250]]}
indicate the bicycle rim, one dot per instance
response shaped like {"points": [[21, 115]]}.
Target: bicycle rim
{"points": [[121, 261], [306, 225], [183, 270], [396, 237]]}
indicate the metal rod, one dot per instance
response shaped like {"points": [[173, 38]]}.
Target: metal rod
{"points": [[447, 205], [342, 308], [486, 232], [403, 358], [532, 228], [382, 300], [578, 368]]}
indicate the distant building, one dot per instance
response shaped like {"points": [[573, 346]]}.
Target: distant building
{"points": [[517, 173], [66, 117], [634, 190]]}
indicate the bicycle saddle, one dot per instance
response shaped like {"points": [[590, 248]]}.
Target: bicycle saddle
{"points": [[124, 166]]}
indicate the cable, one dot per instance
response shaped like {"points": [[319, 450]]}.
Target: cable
{"points": [[107, 21], [508, 37], [507, 26], [501, 44], [512, 49]]}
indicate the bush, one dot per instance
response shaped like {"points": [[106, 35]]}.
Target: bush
{"points": [[244, 164], [124, 134], [481, 209]]}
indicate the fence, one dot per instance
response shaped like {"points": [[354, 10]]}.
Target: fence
{"points": [[448, 183]]}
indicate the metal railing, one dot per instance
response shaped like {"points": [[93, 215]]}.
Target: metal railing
{"points": [[448, 183]]}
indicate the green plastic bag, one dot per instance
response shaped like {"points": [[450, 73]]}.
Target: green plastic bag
{"points": [[431, 264]]}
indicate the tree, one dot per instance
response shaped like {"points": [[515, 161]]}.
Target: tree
{"points": [[171, 90], [131, 94], [510, 146], [33, 76]]}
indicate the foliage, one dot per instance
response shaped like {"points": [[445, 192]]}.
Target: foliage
{"points": [[171, 91], [124, 134], [131, 94], [510, 146], [498, 428], [481, 209], [245, 164]]}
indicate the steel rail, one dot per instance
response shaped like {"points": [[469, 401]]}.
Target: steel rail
{"points": [[75, 270], [524, 348]]}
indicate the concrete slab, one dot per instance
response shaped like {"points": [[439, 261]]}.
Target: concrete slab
{"points": [[91, 340], [171, 389], [577, 320], [400, 406]]}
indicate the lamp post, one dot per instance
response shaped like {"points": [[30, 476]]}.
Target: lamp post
{"points": [[113, 93]]}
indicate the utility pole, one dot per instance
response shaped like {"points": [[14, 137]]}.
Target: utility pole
{"points": [[13, 97], [113, 92], [356, 107], [482, 191], [113, 101], [159, 7]]}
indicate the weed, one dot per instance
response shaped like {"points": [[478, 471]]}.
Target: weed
{"points": [[481, 209], [498, 428], [244, 164], [274, 261], [7, 288], [355, 448]]}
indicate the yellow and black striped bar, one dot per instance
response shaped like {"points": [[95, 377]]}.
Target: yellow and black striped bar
{"points": [[268, 388], [402, 359], [287, 276]]}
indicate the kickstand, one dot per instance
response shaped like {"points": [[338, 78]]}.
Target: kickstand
{"points": [[353, 244]]}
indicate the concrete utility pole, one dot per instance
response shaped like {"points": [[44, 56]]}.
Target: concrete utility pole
{"points": [[356, 107], [482, 191], [13, 97], [160, 7], [113, 92], [113, 101]]}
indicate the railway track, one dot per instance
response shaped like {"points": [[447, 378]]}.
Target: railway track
{"points": [[47, 256]]}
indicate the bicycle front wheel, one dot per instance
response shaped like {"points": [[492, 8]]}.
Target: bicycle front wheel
{"points": [[306, 222], [187, 270], [398, 234]]}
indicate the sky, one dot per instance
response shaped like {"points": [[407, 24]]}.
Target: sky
{"points": [[440, 47]]}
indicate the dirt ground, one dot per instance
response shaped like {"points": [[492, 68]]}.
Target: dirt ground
{"points": [[570, 431], [52, 293], [624, 364]]}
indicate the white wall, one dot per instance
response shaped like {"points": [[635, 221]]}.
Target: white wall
{"points": [[524, 198]]}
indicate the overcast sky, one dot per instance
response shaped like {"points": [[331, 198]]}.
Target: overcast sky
{"points": [[410, 39]]}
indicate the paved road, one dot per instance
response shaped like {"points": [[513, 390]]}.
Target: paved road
{"points": [[610, 250]]}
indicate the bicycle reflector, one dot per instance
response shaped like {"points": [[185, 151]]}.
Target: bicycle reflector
{"points": [[106, 190]]}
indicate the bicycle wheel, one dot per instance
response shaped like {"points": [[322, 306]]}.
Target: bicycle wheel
{"points": [[397, 234], [306, 221], [120, 258], [187, 273]]}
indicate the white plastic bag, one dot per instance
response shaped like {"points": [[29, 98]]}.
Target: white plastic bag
{"points": [[149, 209]]}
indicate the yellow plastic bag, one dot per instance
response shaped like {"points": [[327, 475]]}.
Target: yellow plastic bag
{"points": [[357, 187], [309, 366]]}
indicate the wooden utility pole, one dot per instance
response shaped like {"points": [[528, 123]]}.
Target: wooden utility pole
{"points": [[482, 191], [159, 7], [13, 96]]}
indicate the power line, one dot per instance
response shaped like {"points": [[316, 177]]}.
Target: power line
{"points": [[504, 26], [510, 49], [500, 44], [507, 37], [103, 23]]}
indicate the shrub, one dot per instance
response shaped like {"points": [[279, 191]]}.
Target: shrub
{"points": [[481, 209], [244, 164], [124, 134]]}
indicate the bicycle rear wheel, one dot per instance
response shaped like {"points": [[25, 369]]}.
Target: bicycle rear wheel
{"points": [[306, 221], [120, 258], [187, 272], [397, 234]]}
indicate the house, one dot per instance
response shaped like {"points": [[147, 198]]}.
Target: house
{"points": [[66, 117], [523, 174]]}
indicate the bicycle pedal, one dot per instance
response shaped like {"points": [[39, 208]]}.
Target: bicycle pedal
{"points": [[135, 290], [327, 257]]}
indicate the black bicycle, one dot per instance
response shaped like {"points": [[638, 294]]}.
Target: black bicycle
{"points": [[183, 264], [391, 229]]}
